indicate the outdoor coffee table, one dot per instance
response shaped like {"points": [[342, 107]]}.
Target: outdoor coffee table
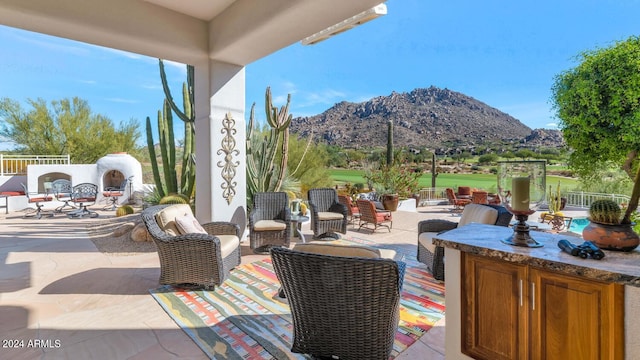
{"points": [[296, 222]]}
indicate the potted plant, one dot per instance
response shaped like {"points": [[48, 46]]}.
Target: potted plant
{"points": [[393, 183], [599, 118], [556, 204], [606, 229]]}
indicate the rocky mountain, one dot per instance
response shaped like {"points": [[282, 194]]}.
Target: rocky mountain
{"points": [[432, 117]]}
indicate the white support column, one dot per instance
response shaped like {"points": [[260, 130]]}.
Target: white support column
{"points": [[220, 143]]}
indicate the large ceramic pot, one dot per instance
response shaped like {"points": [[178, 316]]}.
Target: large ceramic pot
{"points": [[390, 201], [611, 237]]}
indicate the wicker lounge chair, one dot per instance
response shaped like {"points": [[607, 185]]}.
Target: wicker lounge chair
{"points": [[345, 306], [433, 256], [201, 260], [269, 221], [328, 215]]}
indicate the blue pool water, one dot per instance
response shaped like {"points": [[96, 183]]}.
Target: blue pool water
{"points": [[577, 224]]}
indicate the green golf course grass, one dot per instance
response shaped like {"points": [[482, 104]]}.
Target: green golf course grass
{"points": [[444, 180]]}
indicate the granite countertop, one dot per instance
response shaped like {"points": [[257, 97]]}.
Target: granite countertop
{"points": [[617, 267]]}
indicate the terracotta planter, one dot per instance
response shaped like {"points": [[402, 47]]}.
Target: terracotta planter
{"points": [[611, 237], [390, 201]]}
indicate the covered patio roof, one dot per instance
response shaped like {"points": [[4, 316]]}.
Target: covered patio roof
{"points": [[217, 37], [232, 31]]}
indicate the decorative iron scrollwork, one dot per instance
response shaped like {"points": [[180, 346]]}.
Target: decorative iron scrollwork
{"points": [[228, 165]]}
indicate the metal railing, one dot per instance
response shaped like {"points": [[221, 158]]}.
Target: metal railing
{"points": [[583, 199], [17, 164], [579, 199], [431, 194]]}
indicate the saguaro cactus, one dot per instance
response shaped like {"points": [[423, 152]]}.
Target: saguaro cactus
{"points": [[167, 140], [390, 143]]}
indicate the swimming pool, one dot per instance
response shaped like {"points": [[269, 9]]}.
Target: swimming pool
{"points": [[577, 224]]}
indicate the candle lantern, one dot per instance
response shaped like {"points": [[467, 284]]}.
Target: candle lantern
{"points": [[521, 186]]}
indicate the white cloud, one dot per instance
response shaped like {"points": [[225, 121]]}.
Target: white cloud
{"points": [[324, 97], [152, 86], [121, 100], [89, 82], [52, 43]]}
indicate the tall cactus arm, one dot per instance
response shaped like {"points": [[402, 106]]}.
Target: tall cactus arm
{"points": [[187, 178], [167, 148], [154, 162], [189, 89]]}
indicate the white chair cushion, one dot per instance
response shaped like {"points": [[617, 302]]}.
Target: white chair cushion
{"points": [[327, 215], [228, 244], [425, 239], [187, 224], [269, 225], [476, 213], [166, 218], [338, 250]]}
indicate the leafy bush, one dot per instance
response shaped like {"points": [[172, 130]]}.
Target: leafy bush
{"points": [[394, 179]]}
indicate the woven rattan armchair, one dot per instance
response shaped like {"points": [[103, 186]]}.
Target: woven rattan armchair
{"points": [[328, 215], [269, 221], [341, 306], [193, 259], [433, 256]]}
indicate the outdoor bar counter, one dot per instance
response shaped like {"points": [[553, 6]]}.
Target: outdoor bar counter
{"points": [[476, 250]]}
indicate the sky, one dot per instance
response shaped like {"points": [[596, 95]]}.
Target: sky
{"points": [[503, 53]]}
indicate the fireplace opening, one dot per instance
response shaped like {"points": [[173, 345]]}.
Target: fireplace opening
{"points": [[112, 179], [45, 180]]}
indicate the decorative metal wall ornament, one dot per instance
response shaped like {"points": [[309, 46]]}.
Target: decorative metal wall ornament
{"points": [[228, 165]]}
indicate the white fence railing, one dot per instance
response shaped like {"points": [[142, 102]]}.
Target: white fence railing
{"points": [[583, 199], [17, 164], [578, 199], [431, 194]]}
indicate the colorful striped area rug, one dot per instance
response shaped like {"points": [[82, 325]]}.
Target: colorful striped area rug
{"points": [[244, 319]]}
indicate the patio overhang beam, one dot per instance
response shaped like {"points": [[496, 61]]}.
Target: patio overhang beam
{"points": [[348, 24]]}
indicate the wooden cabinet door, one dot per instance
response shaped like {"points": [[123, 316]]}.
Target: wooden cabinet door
{"points": [[574, 318], [494, 317]]}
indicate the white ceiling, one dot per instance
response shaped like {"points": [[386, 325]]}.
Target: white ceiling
{"points": [[199, 9], [188, 31]]}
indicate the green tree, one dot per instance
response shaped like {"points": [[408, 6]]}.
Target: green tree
{"points": [[307, 164], [487, 159], [598, 103], [66, 127], [524, 154]]}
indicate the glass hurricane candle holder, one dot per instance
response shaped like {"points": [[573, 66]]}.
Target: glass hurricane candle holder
{"points": [[521, 186]]}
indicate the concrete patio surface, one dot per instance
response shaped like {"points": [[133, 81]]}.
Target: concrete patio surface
{"points": [[60, 297]]}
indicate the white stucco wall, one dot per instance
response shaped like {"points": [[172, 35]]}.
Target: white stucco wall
{"points": [[88, 173]]}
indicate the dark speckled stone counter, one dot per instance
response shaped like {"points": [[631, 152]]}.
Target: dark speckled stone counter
{"points": [[617, 267]]}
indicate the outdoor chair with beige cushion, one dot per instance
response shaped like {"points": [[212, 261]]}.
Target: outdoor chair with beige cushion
{"points": [[433, 256], [269, 221], [328, 215], [344, 300], [190, 253]]}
